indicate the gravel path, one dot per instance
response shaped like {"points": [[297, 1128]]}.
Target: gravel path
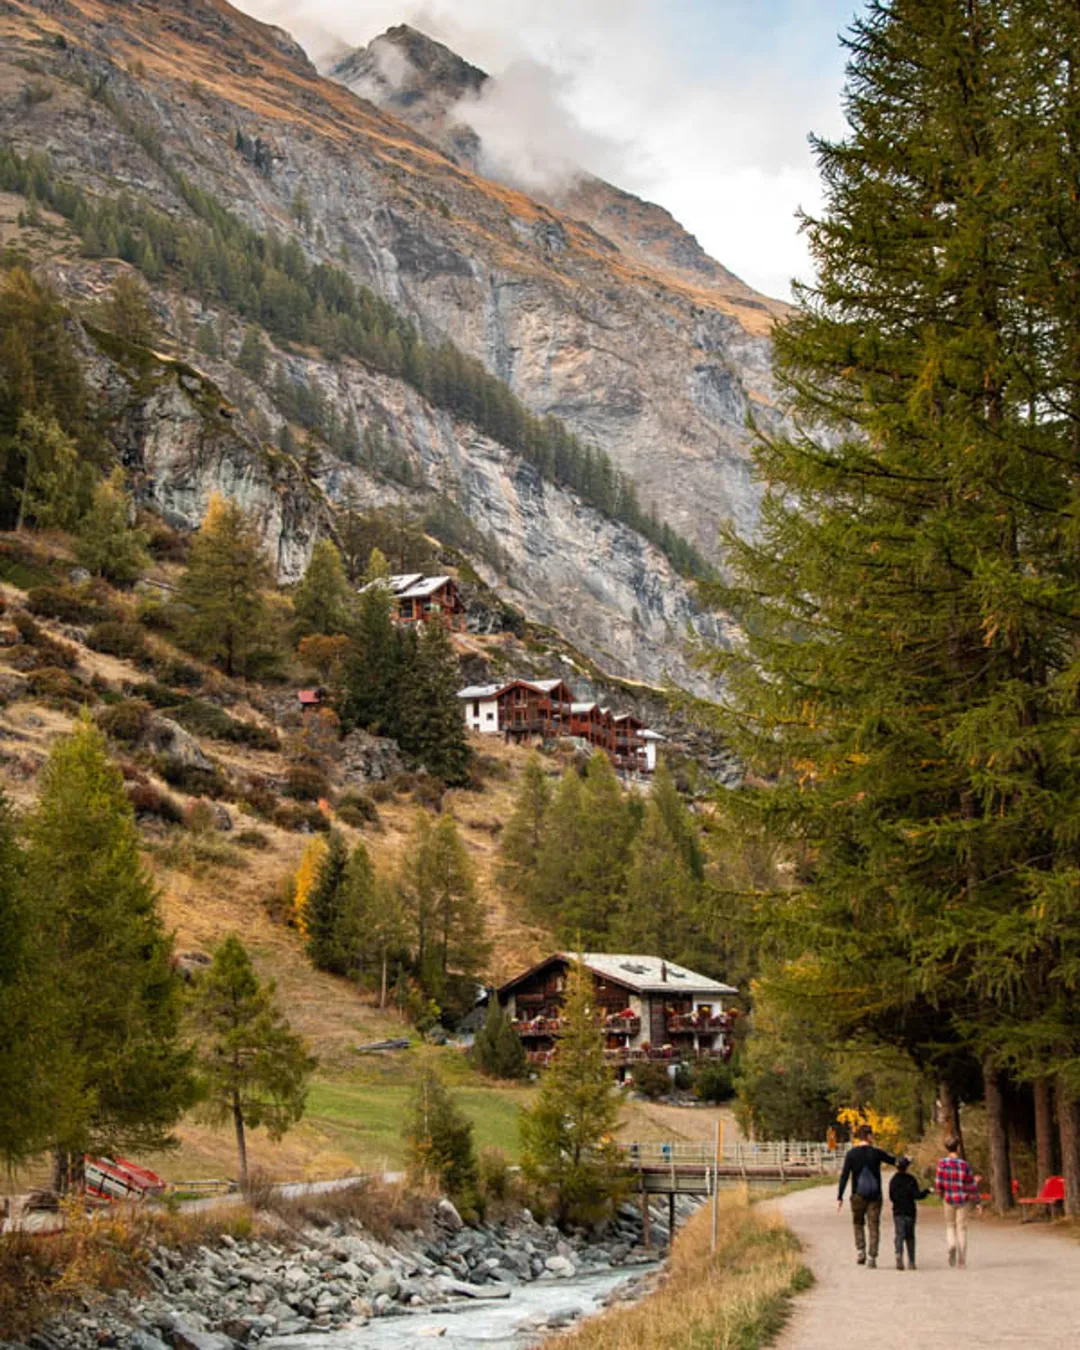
{"points": [[1021, 1286]]}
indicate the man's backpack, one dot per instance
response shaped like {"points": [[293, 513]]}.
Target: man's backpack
{"points": [[867, 1185]]}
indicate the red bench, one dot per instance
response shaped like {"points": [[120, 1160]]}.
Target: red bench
{"points": [[1052, 1193]]}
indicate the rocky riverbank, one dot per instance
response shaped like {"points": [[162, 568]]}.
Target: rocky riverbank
{"points": [[331, 1275]]}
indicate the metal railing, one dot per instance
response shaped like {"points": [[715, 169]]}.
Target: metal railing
{"points": [[781, 1155]]}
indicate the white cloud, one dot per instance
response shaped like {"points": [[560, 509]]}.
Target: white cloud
{"points": [[701, 105]]}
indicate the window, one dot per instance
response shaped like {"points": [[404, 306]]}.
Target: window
{"points": [[491, 717], [476, 707]]}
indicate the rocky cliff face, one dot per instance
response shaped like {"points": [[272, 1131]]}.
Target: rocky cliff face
{"points": [[643, 346]]}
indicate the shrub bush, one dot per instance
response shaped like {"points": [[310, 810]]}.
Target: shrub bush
{"points": [[261, 800], [207, 719], [71, 604], [160, 616], [428, 791], [200, 817], [165, 543], [361, 809], [157, 695], [651, 1079], [127, 721], [125, 640], [148, 800], [253, 839], [60, 655], [381, 791], [305, 784], [714, 1082], [180, 673], [494, 1176], [59, 688], [300, 816], [190, 778]]}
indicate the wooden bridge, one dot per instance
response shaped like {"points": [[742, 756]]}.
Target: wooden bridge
{"points": [[696, 1169], [701, 1169]]}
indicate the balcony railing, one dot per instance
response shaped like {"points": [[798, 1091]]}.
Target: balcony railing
{"points": [[617, 1058], [538, 1026], [618, 1025], [698, 1022]]}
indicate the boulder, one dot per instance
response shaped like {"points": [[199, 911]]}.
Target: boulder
{"points": [[169, 738], [364, 758], [447, 1217], [384, 1282], [560, 1266]]}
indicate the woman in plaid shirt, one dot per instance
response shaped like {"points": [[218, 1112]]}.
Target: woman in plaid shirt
{"points": [[955, 1183]]}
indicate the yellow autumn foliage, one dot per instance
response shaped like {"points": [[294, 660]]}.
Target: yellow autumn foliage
{"points": [[304, 880], [888, 1131]]}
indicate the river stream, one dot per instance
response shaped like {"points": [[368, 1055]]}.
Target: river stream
{"points": [[531, 1313]]}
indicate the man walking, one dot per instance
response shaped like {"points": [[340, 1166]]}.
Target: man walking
{"points": [[863, 1167], [955, 1183]]}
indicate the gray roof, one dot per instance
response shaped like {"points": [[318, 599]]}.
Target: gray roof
{"points": [[643, 973], [649, 735], [401, 581], [583, 707], [479, 691], [421, 587], [546, 685]]}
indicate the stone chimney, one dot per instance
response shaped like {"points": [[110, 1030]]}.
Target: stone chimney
{"points": [[663, 972]]}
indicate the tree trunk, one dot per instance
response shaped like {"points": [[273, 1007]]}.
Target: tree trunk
{"points": [[1069, 1128], [950, 1112], [61, 1171], [998, 1140], [241, 1141], [1042, 1092], [382, 984]]}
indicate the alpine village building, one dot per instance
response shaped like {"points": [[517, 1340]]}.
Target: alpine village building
{"points": [[419, 599], [652, 1009], [542, 710]]}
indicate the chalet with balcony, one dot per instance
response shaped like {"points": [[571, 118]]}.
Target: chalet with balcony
{"points": [[419, 599], [520, 710], [651, 1009]]}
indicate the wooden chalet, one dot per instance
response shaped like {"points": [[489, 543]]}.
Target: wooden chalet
{"points": [[629, 746], [419, 599], [594, 724], [651, 1009], [530, 708], [311, 698]]}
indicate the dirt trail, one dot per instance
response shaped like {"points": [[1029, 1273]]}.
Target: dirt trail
{"points": [[1021, 1286]]}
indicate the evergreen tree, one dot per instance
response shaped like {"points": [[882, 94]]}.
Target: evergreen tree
{"points": [[324, 599], [223, 587], [326, 908], [657, 908], [107, 544], [26, 1052], [49, 494], [106, 977], [373, 675], [497, 1049], [908, 607], [372, 929], [567, 1144], [255, 1069], [439, 1144], [446, 917], [432, 730], [582, 862], [127, 311], [523, 834]]}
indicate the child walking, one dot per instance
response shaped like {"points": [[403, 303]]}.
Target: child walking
{"points": [[904, 1191]]}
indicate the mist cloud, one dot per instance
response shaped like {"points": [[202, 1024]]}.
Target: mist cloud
{"points": [[701, 105]]}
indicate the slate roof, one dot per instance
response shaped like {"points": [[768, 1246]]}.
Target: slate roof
{"points": [[475, 691], [642, 974]]}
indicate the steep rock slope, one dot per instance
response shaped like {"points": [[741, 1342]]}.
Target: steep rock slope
{"points": [[654, 368]]}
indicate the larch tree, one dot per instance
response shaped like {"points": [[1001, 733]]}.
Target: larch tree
{"points": [[568, 1134], [223, 589], [254, 1068], [105, 971], [908, 606], [107, 544], [324, 600], [432, 729], [657, 908], [446, 916], [324, 913], [523, 834]]}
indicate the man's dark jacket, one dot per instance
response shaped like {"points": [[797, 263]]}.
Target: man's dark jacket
{"points": [[864, 1156]]}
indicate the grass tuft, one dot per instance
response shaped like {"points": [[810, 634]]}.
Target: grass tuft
{"points": [[736, 1298]]}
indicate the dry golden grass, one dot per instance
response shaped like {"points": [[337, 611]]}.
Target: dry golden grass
{"points": [[735, 1298]]}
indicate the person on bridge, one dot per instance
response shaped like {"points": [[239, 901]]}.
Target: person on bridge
{"points": [[904, 1191], [956, 1184], [863, 1167]]}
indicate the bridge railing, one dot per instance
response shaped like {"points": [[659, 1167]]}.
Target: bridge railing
{"points": [[781, 1155]]}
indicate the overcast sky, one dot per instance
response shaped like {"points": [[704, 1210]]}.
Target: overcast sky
{"points": [[701, 105]]}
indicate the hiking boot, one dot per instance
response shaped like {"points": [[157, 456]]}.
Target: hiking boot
{"points": [[860, 1260], [899, 1263], [871, 1262], [952, 1256], [911, 1265]]}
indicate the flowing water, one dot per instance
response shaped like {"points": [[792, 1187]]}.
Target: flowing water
{"points": [[532, 1312]]}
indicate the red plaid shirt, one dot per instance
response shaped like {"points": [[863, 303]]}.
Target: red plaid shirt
{"points": [[955, 1181]]}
